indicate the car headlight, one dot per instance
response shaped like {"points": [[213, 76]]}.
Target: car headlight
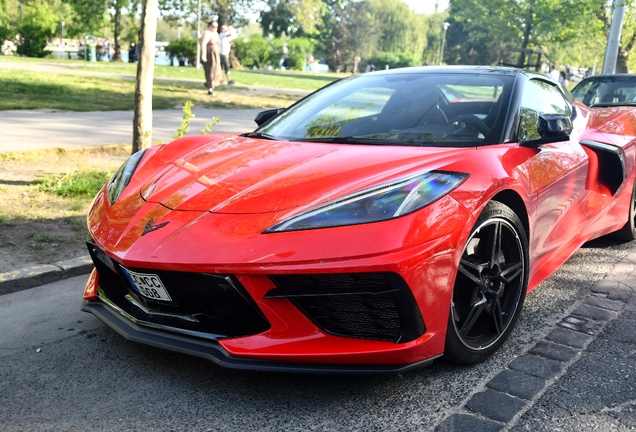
{"points": [[122, 176], [383, 202]]}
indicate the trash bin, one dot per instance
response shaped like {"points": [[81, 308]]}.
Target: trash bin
{"points": [[90, 42]]}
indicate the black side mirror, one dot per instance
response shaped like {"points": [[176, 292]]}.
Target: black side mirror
{"points": [[265, 116], [551, 128], [555, 126]]}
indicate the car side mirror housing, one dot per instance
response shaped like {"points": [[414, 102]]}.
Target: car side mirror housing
{"points": [[265, 116], [555, 126], [551, 128]]}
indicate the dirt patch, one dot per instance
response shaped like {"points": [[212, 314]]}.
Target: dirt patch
{"points": [[38, 227]]}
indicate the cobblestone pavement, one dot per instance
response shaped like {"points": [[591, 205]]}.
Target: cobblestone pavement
{"points": [[580, 377]]}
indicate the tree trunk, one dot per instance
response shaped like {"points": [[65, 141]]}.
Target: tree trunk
{"points": [[526, 40], [621, 61], [117, 33], [142, 120]]}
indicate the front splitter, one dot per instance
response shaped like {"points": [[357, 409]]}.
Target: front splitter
{"points": [[212, 351]]}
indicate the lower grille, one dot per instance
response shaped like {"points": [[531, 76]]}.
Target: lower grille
{"points": [[209, 304], [376, 306]]}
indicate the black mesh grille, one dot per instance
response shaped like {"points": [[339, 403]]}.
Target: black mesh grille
{"points": [[212, 304], [362, 316], [361, 305]]}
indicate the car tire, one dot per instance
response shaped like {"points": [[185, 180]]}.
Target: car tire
{"points": [[628, 232], [490, 287]]}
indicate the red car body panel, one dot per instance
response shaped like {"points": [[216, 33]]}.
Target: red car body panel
{"points": [[219, 193]]}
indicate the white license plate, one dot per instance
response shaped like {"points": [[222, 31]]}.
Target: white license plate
{"points": [[148, 285]]}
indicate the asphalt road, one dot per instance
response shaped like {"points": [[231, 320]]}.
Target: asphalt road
{"points": [[86, 377], [38, 129]]}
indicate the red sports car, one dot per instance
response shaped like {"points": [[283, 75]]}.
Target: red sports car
{"points": [[379, 223]]}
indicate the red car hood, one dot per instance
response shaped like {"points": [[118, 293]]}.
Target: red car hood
{"points": [[244, 175]]}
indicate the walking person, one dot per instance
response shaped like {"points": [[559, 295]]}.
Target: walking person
{"points": [[563, 79], [226, 36], [210, 56]]}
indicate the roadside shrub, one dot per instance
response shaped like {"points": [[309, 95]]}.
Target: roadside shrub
{"points": [[298, 49], [394, 60], [184, 49]]}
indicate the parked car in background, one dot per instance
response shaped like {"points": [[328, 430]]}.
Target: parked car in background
{"points": [[606, 90]]}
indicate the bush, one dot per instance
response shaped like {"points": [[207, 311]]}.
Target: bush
{"points": [[394, 60], [184, 49], [38, 26], [258, 51], [299, 48], [5, 28]]}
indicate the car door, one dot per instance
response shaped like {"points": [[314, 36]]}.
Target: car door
{"points": [[559, 173]]}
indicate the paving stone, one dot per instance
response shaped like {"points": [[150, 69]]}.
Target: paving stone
{"points": [[517, 384], [466, 422], [592, 312], [495, 405], [537, 366], [568, 337], [574, 320], [622, 293], [606, 286], [587, 327], [554, 351], [604, 303]]}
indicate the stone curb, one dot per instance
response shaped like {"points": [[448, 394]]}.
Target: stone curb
{"points": [[41, 274], [513, 391]]}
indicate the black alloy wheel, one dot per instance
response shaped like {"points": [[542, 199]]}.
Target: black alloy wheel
{"points": [[490, 287], [628, 232]]}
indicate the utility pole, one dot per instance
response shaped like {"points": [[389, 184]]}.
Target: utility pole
{"points": [[441, 49], [614, 38]]}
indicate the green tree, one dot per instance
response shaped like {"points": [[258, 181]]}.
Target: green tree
{"points": [[5, 21], [84, 17], [38, 25], [259, 51], [291, 17], [231, 12], [401, 29], [298, 50], [521, 24]]}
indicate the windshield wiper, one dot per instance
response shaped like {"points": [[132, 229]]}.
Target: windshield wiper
{"points": [[259, 135], [344, 140]]}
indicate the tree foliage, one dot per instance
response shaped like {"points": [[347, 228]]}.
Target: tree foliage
{"points": [[292, 17], [38, 25]]}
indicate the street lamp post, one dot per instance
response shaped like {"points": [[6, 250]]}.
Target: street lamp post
{"points": [[441, 49], [62, 34], [614, 38]]}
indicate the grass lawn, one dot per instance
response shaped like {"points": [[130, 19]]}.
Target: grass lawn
{"points": [[266, 78], [46, 194], [23, 89]]}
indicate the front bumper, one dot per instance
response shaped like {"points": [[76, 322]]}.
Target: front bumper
{"points": [[213, 351]]}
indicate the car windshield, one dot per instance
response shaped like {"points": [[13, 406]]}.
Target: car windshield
{"points": [[606, 91], [400, 109]]}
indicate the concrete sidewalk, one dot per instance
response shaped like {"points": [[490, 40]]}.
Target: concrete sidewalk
{"points": [[38, 129]]}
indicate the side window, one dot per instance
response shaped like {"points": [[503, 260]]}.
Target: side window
{"points": [[539, 97]]}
